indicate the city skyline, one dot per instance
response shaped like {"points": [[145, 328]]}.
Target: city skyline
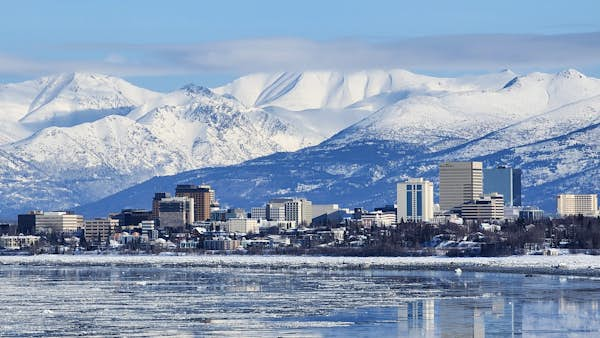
{"points": [[299, 168]]}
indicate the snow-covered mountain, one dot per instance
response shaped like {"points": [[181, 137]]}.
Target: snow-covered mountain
{"points": [[64, 100], [338, 137], [546, 124], [338, 90], [450, 119], [93, 135], [325, 102]]}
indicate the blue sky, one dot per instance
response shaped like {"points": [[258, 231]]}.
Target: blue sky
{"points": [[165, 44]]}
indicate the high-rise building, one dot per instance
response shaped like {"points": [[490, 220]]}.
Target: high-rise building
{"points": [[571, 204], [156, 203], [203, 197], [505, 181], [176, 213], [415, 200], [460, 182], [485, 208]]}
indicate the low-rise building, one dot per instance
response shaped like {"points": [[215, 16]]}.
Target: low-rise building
{"points": [[485, 208], [18, 242], [130, 218], [282, 225], [242, 225], [58, 222], [531, 213], [221, 244], [98, 230], [323, 209], [258, 213], [378, 218]]}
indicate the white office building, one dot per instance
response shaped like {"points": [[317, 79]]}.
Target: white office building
{"points": [[258, 213], [58, 222], [18, 242], [378, 218], [571, 205], [275, 211], [415, 200], [294, 209], [242, 225], [460, 182]]}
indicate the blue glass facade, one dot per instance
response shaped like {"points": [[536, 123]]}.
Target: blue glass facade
{"points": [[409, 201], [505, 181], [419, 203]]}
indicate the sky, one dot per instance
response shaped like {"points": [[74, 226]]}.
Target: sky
{"points": [[163, 45]]}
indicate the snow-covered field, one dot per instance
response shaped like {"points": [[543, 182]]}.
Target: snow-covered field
{"points": [[566, 264]]}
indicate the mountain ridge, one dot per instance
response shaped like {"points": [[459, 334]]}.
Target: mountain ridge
{"points": [[355, 136]]}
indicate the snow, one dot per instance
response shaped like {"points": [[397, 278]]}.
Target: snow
{"points": [[564, 264], [119, 135], [101, 133], [336, 90], [327, 101], [544, 101]]}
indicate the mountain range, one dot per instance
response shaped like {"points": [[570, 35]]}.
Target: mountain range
{"points": [[100, 144]]}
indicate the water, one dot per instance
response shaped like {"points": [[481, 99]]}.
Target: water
{"points": [[55, 300]]}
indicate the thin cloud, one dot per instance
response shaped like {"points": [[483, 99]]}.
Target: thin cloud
{"points": [[464, 53]]}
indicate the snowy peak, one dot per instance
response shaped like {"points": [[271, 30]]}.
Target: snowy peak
{"points": [[564, 87], [337, 90], [570, 73], [326, 102], [438, 122], [73, 98], [192, 89]]}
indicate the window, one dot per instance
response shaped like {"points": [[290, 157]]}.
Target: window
{"points": [[409, 208]]}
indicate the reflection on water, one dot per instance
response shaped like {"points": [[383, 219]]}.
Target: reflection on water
{"points": [[229, 301]]}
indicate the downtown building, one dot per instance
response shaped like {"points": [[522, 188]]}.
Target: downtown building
{"points": [[290, 209], [131, 218], [573, 205], [176, 213], [484, 208], [415, 200], [203, 197], [156, 203], [58, 222], [258, 213], [460, 182], [98, 230], [505, 181]]}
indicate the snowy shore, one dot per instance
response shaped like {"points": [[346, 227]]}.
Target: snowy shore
{"points": [[583, 265]]}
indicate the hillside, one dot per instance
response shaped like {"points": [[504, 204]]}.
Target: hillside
{"points": [[536, 122]]}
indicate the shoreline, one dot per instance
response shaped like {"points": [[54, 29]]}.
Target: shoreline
{"points": [[569, 265]]}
